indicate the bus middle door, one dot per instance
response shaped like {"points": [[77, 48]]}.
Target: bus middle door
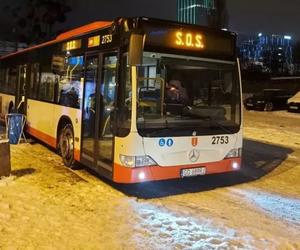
{"points": [[98, 103]]}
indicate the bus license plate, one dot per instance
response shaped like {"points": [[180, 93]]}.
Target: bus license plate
{"points": [[193, 172]]}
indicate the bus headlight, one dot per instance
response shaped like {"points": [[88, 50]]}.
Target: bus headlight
{"points": [[127, 161], [234, 153], [137, 161]]}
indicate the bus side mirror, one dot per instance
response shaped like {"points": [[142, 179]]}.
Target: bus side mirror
{"points": [[136, 47]]}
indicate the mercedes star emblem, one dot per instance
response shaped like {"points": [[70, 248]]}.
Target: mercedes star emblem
{"points": [[194, 155]]}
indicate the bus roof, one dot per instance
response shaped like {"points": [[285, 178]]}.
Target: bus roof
{"points": [[139, 21], [66, 35]]}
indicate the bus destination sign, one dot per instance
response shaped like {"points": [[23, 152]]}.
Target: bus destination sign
{"points": [[189, 40], [203, 41]]}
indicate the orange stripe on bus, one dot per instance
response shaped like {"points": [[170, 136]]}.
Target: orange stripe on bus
{"points": [[51, 141], [77, 155], [131, 175]]}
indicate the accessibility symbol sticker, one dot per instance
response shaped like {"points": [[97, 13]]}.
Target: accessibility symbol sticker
{"points": [[162, 142]]}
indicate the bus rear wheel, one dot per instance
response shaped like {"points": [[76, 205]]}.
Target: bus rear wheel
{"points": [[66, 145]]}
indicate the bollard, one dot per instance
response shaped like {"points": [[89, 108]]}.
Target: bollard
{"points": [[5, 167]]}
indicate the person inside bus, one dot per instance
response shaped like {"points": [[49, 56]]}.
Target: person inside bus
{"points": [[176, 97], [176, 93]]}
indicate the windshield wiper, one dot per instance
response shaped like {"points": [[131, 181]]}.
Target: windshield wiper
{"points": [[169, 129], [214, 122]]}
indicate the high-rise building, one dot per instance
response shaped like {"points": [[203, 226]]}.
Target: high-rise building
{"points": [[195, 11], [272, 51]]}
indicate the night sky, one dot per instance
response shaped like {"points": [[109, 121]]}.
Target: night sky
{"points": [[246, 17]]}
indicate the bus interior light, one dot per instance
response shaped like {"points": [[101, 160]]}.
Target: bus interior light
{"points": [[234, 153]]}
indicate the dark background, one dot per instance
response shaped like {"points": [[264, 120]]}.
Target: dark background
{"points": [[268, 16]]}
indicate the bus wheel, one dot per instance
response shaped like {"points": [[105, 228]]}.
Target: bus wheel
{"points": [[269, 106], [66, 145]]}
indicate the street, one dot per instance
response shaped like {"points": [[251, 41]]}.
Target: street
{"points": [[48, 206]]}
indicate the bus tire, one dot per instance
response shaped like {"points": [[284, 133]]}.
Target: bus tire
{"points": [[66, 145]]}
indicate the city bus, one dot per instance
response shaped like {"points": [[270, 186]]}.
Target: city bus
{"points": [[135, 99]]}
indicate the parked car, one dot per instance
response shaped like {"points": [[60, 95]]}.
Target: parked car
{"points": [[294, 103], [268, 100]]}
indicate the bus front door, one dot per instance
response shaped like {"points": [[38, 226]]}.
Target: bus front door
{"points": [[98, 103]]}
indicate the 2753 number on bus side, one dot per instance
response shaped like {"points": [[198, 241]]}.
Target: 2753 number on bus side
{"points": [[220, 140]]}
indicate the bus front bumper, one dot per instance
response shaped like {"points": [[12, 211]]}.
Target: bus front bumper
{"points": [[155, 173]]}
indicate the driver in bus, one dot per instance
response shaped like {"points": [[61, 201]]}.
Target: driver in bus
{"points": [[176, 93]]}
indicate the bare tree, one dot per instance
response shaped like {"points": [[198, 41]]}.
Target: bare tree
{"points": [[34, 19]]}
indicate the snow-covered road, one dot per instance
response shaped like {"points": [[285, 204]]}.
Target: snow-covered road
{"points": [[44, 205]]}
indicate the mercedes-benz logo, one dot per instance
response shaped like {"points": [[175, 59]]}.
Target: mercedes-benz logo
{"points": [[194, 155]]}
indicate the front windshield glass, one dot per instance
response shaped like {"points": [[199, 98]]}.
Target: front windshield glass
{"points": [[179, 96]]}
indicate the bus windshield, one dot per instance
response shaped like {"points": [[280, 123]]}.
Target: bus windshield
{"points": [[179, 96]]}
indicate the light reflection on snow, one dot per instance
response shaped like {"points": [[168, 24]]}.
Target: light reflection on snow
{"points": [[170, 230], [278, 206]]}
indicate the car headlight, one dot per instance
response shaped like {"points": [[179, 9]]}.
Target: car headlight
{"points": [[234, 153], [137, 161]]}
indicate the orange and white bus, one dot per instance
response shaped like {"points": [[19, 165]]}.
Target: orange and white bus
{"points": [[136, 99]]}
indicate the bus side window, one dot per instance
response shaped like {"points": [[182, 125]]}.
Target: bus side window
{"points": [[2, 79], [46, 88], [6, 78], [70, 82], [34, 80], [12, 80]]}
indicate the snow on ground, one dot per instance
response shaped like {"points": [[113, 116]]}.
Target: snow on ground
{"points": [[44, 205], [277, 206]]}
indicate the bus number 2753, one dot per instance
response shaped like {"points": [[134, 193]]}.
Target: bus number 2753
{"points": [[220, 140]]}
